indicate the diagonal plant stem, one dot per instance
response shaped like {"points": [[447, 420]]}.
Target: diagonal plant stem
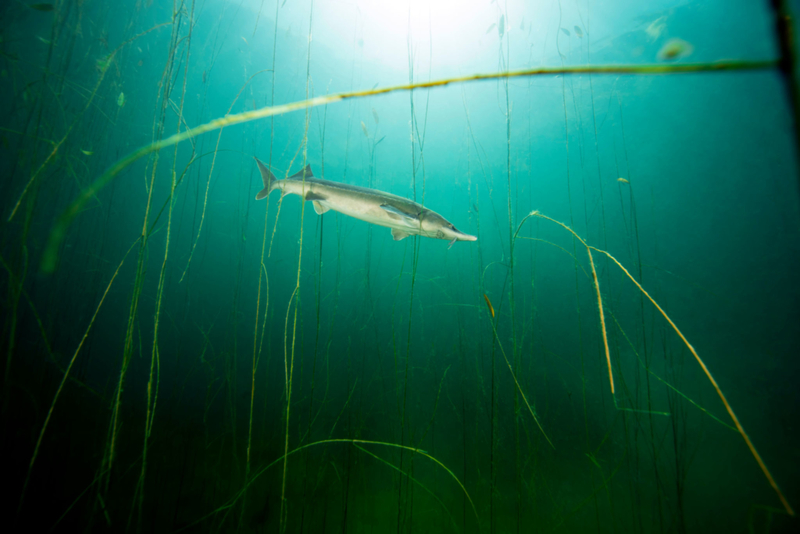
{"points": [[728, 407], [50, 256]]}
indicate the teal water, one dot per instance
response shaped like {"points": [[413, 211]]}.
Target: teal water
{"points": [[196, 360]]}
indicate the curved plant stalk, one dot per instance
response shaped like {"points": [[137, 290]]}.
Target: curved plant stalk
{"points": [[735, 419], [66, 375], [514, 376], [59, 231], [229, 505]]}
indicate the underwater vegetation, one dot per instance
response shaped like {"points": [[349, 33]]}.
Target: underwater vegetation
{"points": [[611, 349]]}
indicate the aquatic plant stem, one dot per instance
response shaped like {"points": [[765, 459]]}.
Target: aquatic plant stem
{"points": [[728, 407], [519, 388], [66, 375], [295, 295], [58, 233]]}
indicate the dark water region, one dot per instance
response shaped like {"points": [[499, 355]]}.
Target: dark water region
{"points": [[179, 357]]}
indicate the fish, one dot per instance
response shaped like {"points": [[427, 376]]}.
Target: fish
{"points": [[364, 129], [490, 28], [375, 116], [566, 31], [501, 27], [405, 217], [578, 31]]}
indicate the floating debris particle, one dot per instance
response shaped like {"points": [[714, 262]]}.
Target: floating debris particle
{"points": [[655, 28], [364, 128], [121, 99], [375, 116], [566, 31], [578, 31], [490, 28], [675, 49]]}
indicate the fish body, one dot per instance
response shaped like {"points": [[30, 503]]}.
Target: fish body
{"points": [[405, 217]]}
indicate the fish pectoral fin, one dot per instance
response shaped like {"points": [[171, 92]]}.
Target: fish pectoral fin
{"points": [[453, 242], [398, 215], [314, 196], [319, 208], [398, 234]]}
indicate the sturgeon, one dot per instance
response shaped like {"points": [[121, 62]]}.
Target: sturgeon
{"points": [[405, 217]]}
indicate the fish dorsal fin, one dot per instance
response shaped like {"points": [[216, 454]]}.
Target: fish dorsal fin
{"points": [[398, 234], [319, 208], [299, 175], [398, 214]]}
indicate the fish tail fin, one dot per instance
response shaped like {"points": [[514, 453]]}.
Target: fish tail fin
{"points": [[267, 177]]}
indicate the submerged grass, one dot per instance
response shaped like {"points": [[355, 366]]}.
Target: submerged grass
{"points": [[218, 444], [702, 364]]}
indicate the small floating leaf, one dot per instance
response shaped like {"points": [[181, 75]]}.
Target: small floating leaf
{"points": [[490, 28], [87, 152], [566, 31], [364, 128], [501, 27], [578, 31], [42, 39], [41, 7], [375, 116], [121, 99]]}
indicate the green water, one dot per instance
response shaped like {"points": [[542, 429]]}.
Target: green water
{"points": [[180, 357]]}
